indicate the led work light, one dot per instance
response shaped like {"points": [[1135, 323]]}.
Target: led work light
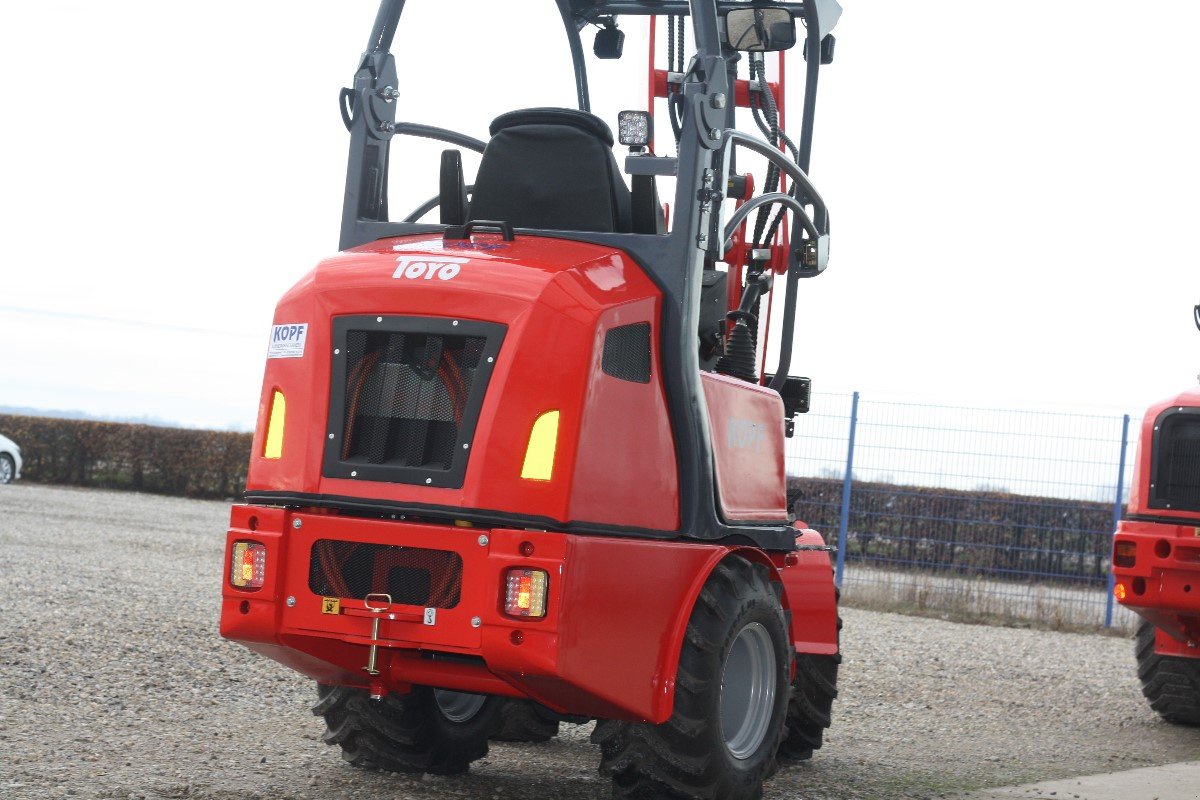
{"points": [[634, 128], [525, 593], [248, 566]]}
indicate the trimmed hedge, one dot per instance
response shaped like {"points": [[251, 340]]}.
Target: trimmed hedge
{"points": [[141, 458], [963, 532], [941, 530]]}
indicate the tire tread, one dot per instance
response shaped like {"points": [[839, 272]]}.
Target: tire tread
{"points": [[1170, 683]]}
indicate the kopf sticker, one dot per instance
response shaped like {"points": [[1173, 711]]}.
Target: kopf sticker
{"points": [[287, 341]]}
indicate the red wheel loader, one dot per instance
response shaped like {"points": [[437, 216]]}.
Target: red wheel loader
{"points": [[1156, 556], [523, 463]]}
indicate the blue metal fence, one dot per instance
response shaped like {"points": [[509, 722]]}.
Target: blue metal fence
{"points": [[997, 511]]}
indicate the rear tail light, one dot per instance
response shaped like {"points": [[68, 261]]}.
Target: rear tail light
{"points": [[1125, 554], [525, 593], [248, 566]]}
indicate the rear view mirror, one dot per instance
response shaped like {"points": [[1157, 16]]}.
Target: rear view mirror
{"points": [[758, 30]]}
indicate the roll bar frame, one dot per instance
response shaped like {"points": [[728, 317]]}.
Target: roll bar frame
{"points": [[674, 261]]}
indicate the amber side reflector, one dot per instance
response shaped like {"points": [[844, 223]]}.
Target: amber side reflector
{"points": [[274, 443], [539, 455], [1125, 554], [1119, 591]]}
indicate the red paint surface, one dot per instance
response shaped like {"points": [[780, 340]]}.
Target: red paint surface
{"points": [[608, 646], [746, 423], [1167, 562], [556, 299], [1169, 584], [741, 91], [1139, 490]]}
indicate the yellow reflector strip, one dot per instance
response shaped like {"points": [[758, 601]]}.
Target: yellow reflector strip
{"points": [[274, 445], [539, 456]]}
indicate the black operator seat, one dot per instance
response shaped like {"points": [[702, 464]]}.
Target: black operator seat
{"points": [[552, 168]]}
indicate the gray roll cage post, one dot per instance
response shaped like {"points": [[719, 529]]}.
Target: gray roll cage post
{"points": [[675, 261]]}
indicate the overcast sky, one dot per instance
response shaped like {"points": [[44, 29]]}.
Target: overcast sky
{"points": [[1013, 189]]}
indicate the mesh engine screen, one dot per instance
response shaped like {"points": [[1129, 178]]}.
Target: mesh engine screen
{"points": [[405, 396]]}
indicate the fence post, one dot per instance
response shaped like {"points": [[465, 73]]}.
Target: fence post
{"points": [[1108, 608], [844, 517]]}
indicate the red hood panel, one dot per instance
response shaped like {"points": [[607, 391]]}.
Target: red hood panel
{"points": [[556, 299]]}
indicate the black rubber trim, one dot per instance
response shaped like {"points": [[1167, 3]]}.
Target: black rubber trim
{"points": [[769, 533], [1187, 522]]}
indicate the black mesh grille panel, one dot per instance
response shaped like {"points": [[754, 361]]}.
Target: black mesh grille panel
{"points": [[1176, 470], [627, 352], [405, 395], [412, 576]]}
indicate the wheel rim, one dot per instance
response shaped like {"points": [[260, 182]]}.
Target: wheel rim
{"points": [[6, 470], [748, 691], [458, 706]]}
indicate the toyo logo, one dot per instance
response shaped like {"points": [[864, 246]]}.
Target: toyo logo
{"points": [[746, 434], [416, 269]]}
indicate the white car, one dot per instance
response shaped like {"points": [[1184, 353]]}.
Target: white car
{"points": [[10, 460]]}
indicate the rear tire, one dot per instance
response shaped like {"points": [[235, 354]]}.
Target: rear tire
{"points": [[811, 705], [1170, 683], [524, 721], [425, 731], [8, 468], [730, 700]]}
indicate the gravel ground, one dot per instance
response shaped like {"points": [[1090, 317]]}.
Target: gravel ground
{"points": [[115, 684]]}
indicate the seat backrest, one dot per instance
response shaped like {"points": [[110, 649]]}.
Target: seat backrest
{"points": [[551, 168]]}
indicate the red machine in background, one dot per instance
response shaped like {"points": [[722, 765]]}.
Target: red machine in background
{"points": [[519, 465], [1156, 556]]}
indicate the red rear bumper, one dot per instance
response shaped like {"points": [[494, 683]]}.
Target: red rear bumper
{"points": [[607, 647], [1163, 582]]}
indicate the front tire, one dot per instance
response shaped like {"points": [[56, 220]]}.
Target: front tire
{"points": [[731, 696], [8, 468], [524, 721], [428, 730], [1170, 683]]}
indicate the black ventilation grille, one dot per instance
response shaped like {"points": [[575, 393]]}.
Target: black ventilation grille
{"points": [[627, 352], [405, 394], [412, 576], [1175, 465]]}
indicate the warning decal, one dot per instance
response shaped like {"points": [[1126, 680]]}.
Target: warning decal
{"points": [[287, 341]]}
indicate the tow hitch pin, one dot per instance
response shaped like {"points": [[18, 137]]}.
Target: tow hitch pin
{"points": [[386, 599]]}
